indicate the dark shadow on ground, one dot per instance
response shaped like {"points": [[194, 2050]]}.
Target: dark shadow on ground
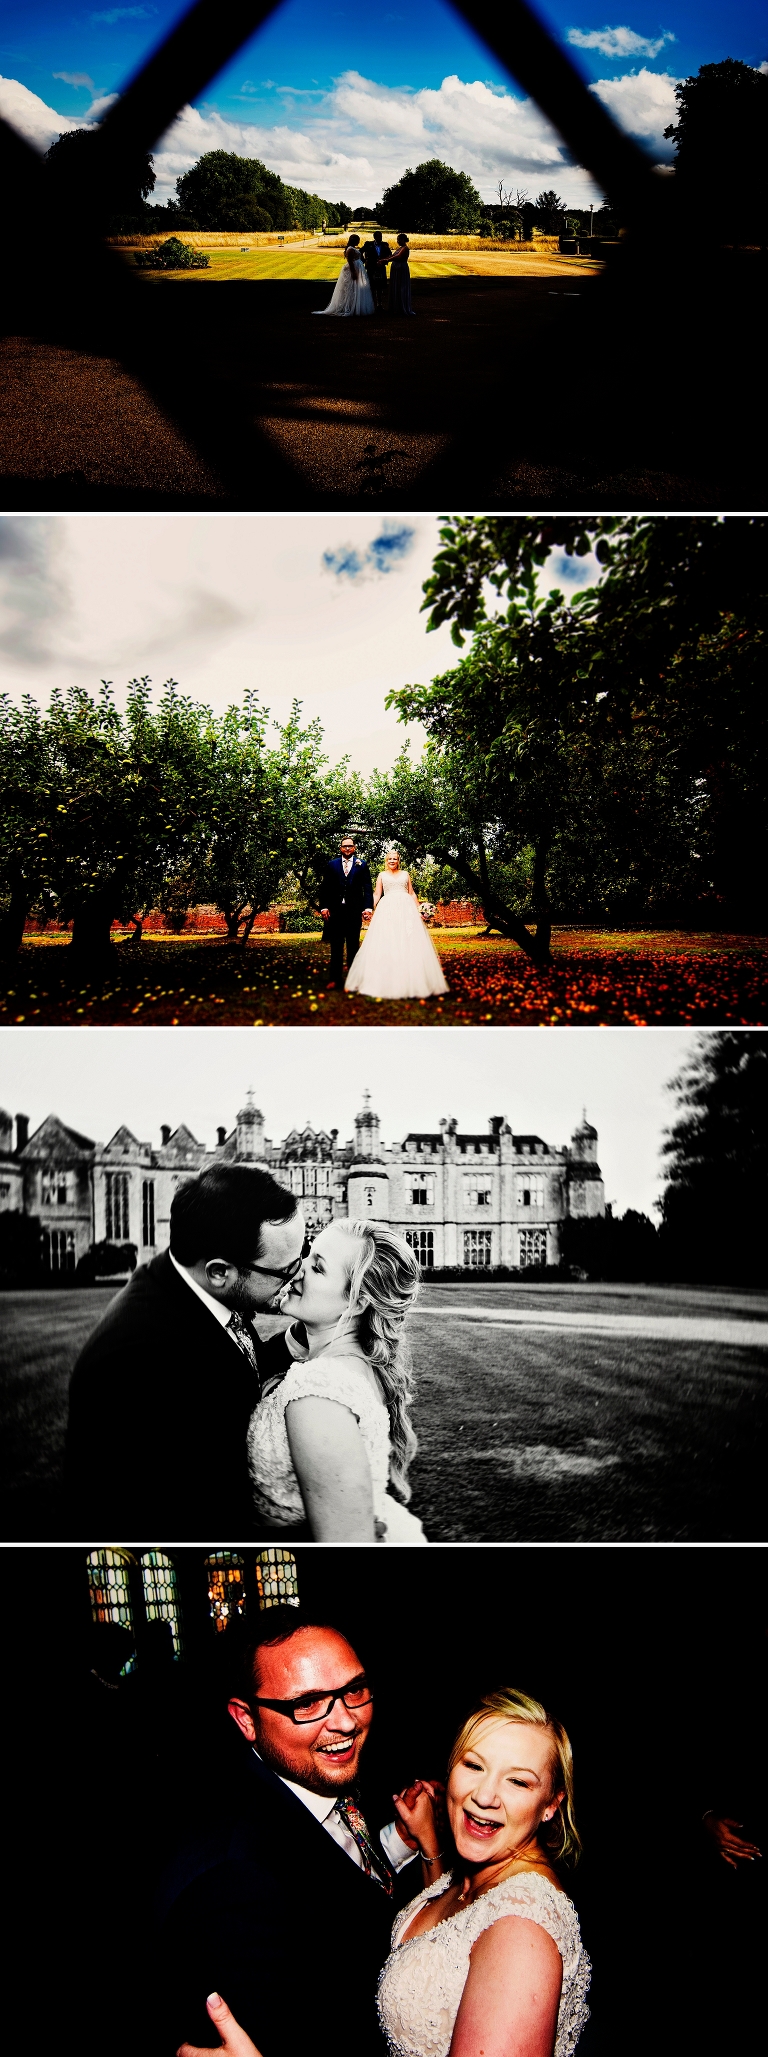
{"points": [[508, 393]]}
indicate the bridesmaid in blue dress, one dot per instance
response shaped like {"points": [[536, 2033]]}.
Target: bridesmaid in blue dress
{"points": [[400, 278]]}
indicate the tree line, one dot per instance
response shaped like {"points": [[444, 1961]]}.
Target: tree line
{"points": [[597, 758]]}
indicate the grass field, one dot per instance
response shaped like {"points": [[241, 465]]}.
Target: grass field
{"points": [[607, 1427], [620, 977], [311, 263]]}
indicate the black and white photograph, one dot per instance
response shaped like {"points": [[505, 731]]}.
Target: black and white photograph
{"points": [[385, 1287]]}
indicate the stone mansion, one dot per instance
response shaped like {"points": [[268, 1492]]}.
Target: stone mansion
{"points": [[469, 1201]]}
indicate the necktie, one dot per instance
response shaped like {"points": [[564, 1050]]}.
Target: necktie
{"points": [[375, 1864], [238, 1328]]}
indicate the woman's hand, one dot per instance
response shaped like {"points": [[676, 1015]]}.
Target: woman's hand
{"points": [[421, 1818], [234, 2040]]}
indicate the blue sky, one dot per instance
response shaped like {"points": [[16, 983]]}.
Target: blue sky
{"points": [[342, 101]]}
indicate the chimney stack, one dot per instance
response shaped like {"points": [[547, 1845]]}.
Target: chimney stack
{"points": [[165, 1134], [221, 1137], [22, 1132]]}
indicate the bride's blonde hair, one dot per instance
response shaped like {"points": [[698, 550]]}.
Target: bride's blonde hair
{"points": [[383, 1284]]}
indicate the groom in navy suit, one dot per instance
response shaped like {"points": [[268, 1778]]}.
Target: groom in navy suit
{"points": [[346, 890]]}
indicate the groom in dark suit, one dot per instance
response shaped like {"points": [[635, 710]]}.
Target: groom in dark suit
{"points": [[162, 1394], [345, 892], [285, 1907], [376, 256]]}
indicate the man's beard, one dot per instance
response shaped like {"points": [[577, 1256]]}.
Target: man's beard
{"points": [[241, 1301], [313, 1777]]}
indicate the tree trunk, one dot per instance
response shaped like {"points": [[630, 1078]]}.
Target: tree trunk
{"points": [[496, 912], [541, 900], [91, 937], [12, 921]]}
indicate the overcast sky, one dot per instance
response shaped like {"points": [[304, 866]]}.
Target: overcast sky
{"points": [[325, 608], [541, 1079], [342, 100]]}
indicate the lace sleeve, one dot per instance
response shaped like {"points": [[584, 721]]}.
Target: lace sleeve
{"points": [[338, 1380]]}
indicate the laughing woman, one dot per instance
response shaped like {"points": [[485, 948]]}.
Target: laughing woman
{"points": [[329, 1447]]}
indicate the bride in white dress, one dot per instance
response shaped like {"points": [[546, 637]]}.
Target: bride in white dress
{"points": [[397, 959], [352, 293], [489, 1956], [329, 1446]]}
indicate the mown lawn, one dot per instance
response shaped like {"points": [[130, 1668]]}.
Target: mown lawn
{"points": [[291, 263], [619, 977], [524, 1434]]}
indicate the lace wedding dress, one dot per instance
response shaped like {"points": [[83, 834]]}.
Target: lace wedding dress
{"points": [[352, 293], [337, 1373], [397, 959], [421, 1984]]}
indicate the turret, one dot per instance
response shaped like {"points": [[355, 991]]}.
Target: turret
{"points": [[250, 1131], [367, 1130]]}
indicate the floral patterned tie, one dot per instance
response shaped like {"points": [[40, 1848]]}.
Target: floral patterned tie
{"points": [[375, 1864], [238, 1328]]}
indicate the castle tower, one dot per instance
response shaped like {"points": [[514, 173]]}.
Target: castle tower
{"points": [[367, 1142], [584, 1142], [250, 1132]]}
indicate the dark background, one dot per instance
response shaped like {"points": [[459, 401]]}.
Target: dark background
{"points": [[654, 1659]]}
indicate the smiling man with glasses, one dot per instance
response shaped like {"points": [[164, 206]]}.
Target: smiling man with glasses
{"points": [[288, 1910], [163, 1392]]}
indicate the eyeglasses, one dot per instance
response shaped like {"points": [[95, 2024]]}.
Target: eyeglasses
{"points": [[317, 1706], [290, 1269]]}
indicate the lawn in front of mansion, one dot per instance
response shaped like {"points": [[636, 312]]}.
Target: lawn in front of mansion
{"points": [[545, 1412]]}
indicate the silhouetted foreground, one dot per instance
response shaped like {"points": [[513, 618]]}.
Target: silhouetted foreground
{"points": [[237, 398]]}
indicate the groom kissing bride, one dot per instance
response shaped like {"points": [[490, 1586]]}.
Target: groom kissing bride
{"points": [[184, 1421], [281, 1912]]}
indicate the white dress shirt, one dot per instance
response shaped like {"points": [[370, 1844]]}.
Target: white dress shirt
{"points": [[323, 1806], [347, 864]]}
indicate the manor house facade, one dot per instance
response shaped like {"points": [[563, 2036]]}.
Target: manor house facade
{"points": [[468, 1201]]}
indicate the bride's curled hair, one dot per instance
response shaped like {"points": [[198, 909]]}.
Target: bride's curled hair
{"points": [[383, 1285]]}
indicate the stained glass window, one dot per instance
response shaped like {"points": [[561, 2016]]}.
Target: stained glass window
{"points": [[276, 1580], [226, 1587], [161, 1593], [422, 1240], [118, 1229], [477, 1249], [109, 1586], [533, 1247]]}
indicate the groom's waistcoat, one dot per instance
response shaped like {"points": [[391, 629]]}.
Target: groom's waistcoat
{"points": [[270, 1912], [160, 1402], [346, 893]]}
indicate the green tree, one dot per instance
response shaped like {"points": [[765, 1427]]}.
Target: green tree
{"points": [[719, 139], [222, 190], [669, 649], [550, 206], [113, 804], [713, 1203], [81, 182], [433, 198]]}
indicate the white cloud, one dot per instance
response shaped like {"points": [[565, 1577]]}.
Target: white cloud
{"points": [[644, 103], [354, 140], [74, 78], [619, 42], [29, 114]]}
